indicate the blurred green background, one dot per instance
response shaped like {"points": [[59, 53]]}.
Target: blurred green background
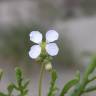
{"points": [[75, 20]]}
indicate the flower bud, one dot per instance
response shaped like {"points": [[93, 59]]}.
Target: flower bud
{"points": [[48, 66]]}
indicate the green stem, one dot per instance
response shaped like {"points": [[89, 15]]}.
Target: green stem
{"points": [[89, 89], [94, 78], [81, 86], [40, 80]]}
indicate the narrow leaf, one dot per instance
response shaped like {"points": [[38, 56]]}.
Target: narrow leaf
{"points": [[53, 87], [70, 84]]}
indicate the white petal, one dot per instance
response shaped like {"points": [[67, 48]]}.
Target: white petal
{"points": [[36, 37], [52, 49], [51, 36], [35, 51]]}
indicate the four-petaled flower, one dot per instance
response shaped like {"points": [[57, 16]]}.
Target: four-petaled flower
{"points": [[51, 48]]}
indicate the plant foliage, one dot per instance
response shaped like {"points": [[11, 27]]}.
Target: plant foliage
{"points": [[79, 85]]}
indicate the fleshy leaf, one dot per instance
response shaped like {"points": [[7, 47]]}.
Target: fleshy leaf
{"points": [[2, 94], [1, 73], [53, 87], [10, 88], [70, 84]]}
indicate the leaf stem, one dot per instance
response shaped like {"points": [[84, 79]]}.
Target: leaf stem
{"points": [[94, 78], [40, 79], [89, 89]]}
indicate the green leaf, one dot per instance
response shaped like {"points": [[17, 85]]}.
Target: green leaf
{"points": [[25, 92], [1, 73], [2, 94], [26, 84], [21, 86], [18, 74], [77, 76], [53, 87], [90, 89], [10, 88], [80, 87], [70, 84]]}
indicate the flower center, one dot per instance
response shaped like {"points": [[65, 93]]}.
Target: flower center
{"points": [[43, 45]]}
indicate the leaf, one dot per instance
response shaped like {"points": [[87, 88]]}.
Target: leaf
{"points": [[70, 84], [18, 74], [10, 88], [89, 89], [25, 92], [2, 94], [19, 78], [80, 87], [77, 76], [1, 73], [21, 86], [53, 87], [26, 84]]}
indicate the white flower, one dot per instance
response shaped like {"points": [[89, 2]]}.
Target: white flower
{"points": [[51, 48]]}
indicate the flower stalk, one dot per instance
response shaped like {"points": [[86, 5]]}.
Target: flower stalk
{"points": [[41, 79]]}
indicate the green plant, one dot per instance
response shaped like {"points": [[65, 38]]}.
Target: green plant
{"points": [[79, 85], [75, 87], [20, 86]]}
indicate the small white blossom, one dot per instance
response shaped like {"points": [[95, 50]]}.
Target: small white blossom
{"points": [[51, 48]]}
